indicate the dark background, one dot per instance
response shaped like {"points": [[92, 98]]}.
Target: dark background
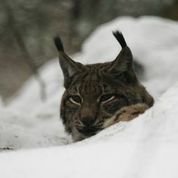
{"points": [[27, 29]]}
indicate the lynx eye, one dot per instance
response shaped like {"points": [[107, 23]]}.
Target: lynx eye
{"points": [[75, 99], [107, 98]]}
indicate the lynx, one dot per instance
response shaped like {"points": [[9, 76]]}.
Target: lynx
{"points": [[99, 95]]}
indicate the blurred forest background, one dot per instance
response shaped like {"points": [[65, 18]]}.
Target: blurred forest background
{"points": [[27, 29]]}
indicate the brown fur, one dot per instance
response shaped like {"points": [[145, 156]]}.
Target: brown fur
{"points": [[127, 113], [99, 95]]}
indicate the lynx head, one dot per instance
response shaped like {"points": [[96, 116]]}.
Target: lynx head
{"points": [[94, 93]]}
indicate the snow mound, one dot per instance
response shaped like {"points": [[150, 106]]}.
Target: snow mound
{"points": [[145, 147], [154, 44]]}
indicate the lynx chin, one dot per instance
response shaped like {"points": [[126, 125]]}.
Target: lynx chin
{"points": [[99, 95]]}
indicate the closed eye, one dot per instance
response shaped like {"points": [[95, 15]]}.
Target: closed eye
{"points": [[106, 98], [75, 99]]}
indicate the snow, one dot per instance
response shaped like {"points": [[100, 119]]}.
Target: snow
{"points": [[145, 147]]}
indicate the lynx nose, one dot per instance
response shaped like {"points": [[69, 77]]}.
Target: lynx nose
{"points": [[88, 128], [88, 121]]}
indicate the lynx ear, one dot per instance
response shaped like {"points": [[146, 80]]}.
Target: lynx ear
{"points": [[68, 66], [124, 61]]}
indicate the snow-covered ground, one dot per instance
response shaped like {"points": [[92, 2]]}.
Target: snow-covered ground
{"points": [[145, 147]]}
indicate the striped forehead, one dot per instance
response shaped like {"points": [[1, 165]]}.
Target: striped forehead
{"points": [[91, 84]]}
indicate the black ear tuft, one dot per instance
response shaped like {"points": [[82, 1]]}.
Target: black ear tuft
{"points": [[120, 38], [58, 43]]}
